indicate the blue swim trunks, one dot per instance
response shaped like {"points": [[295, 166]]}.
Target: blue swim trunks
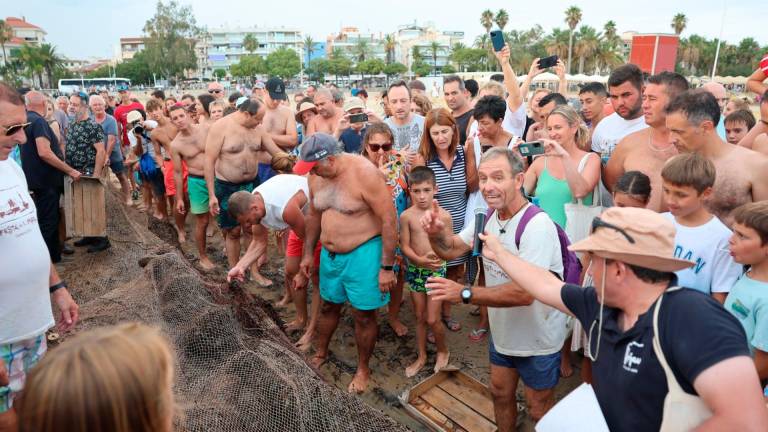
{"points": [[353, 276], [223, 190]]}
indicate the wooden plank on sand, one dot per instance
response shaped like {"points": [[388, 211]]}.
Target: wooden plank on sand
{"points": [[459, 413]]}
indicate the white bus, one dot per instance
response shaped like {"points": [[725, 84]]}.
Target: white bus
{"points": [[69, 85]]}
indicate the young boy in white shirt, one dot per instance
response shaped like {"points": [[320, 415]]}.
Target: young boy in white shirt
{"points": [[700, 236]]}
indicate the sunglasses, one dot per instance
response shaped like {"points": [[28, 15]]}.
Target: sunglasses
{"points": [[10, 130], [376, 147], [214, 91], [599, 223]]}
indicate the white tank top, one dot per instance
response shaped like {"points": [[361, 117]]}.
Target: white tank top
{"points": [[276, 192]]}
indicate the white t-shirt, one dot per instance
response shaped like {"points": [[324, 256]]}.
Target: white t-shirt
{"points": [[531, 330], [25, 303], [707, 246], [611, 130], [276, 193], [407, 136]]}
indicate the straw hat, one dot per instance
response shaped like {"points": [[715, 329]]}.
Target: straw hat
{"points": [[304, 106], [652, 243]]}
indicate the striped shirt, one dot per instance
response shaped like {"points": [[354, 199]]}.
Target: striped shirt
{"points": [[452, 192]]}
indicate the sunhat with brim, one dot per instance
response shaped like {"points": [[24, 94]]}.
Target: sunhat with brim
{"points": [[305, 106], [634, 236]]}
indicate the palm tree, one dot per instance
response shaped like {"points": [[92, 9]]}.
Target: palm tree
{"points": [[434, 47], [250, 43], [49, 60], [309, 46], [416, 54], [389, 46], [609, 31], [501, 19], [556, 43], [679, 22], [361, 50], [587, 45], [486, 19], [572, 18], [30, 57], [6, 33]]}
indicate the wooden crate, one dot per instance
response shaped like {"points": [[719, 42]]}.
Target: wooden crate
{"points": [[85, 207], [451, 400]]}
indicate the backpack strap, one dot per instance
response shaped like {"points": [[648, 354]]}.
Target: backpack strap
{"points": [[528, 214]]}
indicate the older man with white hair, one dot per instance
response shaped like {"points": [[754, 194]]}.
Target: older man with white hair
{"points": [[114, 155], [44, 168]]}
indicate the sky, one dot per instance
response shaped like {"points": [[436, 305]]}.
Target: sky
{"points": [[82, 29]]}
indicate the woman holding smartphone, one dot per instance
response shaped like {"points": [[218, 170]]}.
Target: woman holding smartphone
{"points": [[564, 173]]}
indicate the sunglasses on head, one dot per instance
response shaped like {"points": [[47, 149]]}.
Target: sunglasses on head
{"points": [[377, 147], [599, 223], [214, 91], [10, 130]]}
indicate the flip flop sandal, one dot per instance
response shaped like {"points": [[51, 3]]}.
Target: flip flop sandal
{"points": [[451, 324], [477, 335]]}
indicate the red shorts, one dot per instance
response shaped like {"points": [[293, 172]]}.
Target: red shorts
{"points": [[295, 248], [168, 176]]}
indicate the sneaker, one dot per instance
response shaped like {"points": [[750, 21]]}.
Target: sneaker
{"points": [[67, 249], [85, 241], [100, 245]]}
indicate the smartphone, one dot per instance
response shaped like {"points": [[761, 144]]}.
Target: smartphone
{"points": [[532, 148], [497, 39], [358, 118], [548, 62]]}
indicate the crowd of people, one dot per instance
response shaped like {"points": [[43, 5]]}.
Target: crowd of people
{"points": [[566, 228]]}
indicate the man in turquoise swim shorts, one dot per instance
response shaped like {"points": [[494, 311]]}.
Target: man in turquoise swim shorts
{"points": [[352, 214]]}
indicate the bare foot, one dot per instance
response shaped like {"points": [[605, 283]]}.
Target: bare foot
{"points": [[566, 369], [294, 325], [305, 342], [415, 367], [317, 361], [261, 280], [182, 236], [399, 328], [360, 381], [206, 264], [441, 360], [210, 231], [284, 302]]}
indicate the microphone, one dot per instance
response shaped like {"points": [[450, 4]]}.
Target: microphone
{"points": [[477, 245]]}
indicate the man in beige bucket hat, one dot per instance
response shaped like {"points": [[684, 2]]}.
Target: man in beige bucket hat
{"points": [[632, 263]]}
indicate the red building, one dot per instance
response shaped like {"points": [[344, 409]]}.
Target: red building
{"points": [[654, 53]]}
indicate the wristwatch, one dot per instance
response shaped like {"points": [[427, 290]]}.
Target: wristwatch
{"points": [[387, 267], [466, 294]]}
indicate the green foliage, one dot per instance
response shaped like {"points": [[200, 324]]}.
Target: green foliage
{"points": [[171, 35], [219, 73], [248, 66], [317, 69], [448, 69], [470, 59], [339, 64], [370, 67], [395, 68], [284, 63], [421, 68], [250, 43]]}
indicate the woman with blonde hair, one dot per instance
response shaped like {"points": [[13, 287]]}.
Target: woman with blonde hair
{"points": [[566, 172], [420, 104], [113, 379]]}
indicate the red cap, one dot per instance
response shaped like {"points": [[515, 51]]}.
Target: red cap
{"points": [[303, 167]]}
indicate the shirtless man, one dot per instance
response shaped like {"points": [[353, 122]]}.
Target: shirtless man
{"points": [[188, 148], [647, 150], [231, 165], [161, 137], [279, 123], [329, 114], [352, 214], [742, 174]]}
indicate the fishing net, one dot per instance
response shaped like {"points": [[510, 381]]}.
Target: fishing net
{"points": [[236, 370]]}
